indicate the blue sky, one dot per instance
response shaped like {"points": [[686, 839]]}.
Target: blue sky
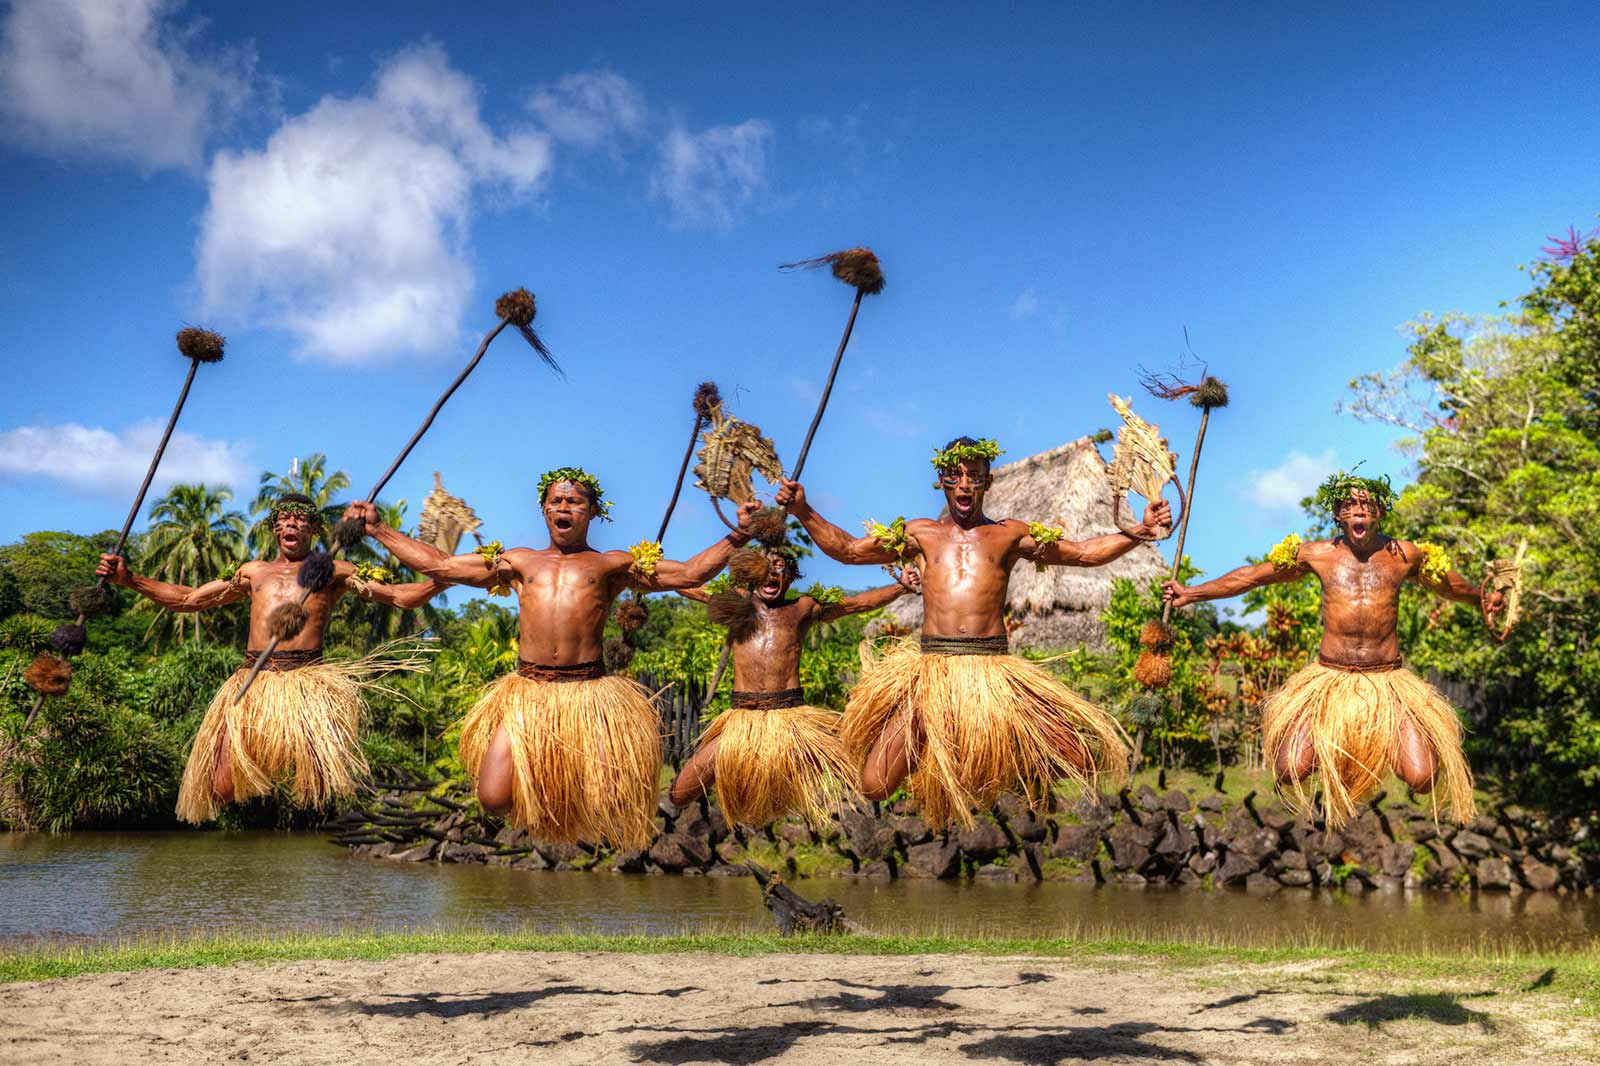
{"points": [[1055, 194]]}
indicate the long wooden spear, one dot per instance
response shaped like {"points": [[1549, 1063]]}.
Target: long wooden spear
{"points": [[516, 308], [198, 346]]}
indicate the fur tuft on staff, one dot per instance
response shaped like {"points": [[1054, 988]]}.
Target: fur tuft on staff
{"points": [[1156, 636], [90, 600], [749, 567], [69, 638], [1208, 392], [518, 307], [734, 612], [316, 572], [48, 675], [1153, 669], [706, 399], [770, 526], [201, 345], [856, 267], [347, 533], [286, 620], [632, 614], [617, 654]]}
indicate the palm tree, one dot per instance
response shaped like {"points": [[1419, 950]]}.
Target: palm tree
{"points": [[308, 476], [192, 539], [381, 622]]}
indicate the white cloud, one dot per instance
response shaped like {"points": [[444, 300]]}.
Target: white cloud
{"points": [[1285, 485], [349, 228], [589, 108], [98, 460], [1026, 305], [116, 79], [710, 178]]}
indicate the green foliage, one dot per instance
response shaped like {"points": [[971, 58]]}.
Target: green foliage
{"points": [[48, 565], [182, 682], [192, 539], [26, 632], [1185, 720], [311, 479]]}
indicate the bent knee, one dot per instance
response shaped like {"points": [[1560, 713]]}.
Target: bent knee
{"points": [[682, 793], [495, 795], [1295, 761], [877, 786]]}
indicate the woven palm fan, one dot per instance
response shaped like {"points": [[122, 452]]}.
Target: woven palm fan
{"points": [[1140, 461], [445, 518], [734, 450], [1505, 577]]}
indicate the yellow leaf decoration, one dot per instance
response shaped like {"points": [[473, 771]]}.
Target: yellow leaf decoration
{"points": [[1285, 555], [1043, 535], [646, 554], [891, 537], [1435, 562]]}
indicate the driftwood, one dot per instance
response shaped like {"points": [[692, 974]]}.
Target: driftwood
{"points": [[796, 914]]}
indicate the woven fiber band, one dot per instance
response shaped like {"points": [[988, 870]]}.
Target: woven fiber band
{"points": [[284, 660], [1359, 668], [576, 672], [770, 701], [965, 645]]}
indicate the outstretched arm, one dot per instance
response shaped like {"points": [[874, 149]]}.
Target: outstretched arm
{"points": [[869, 600], [180, 598], [1233, 583], [1096, 551], [673, 576], [834, 542], [1433, 572], [698, 595], [471, 569], [406, 596]]}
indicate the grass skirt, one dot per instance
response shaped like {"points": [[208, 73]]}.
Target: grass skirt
{"points": [[786, 760], [585, 756], [1353, 721], [979, 725]]}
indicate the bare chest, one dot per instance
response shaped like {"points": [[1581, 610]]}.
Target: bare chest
{"points": [[964, 554], [1371, 581]]}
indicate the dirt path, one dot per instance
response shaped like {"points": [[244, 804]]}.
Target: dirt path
{"points": [[808, 1009]]}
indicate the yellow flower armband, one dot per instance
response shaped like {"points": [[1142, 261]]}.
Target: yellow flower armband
{"points": [[491, 553], [646, 554], [1043, 535], [1435, 562], [826, 595], [891, 537], [1285, 555]]}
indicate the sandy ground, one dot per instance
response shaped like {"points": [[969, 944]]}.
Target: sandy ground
{"points": [[813, 1009]]}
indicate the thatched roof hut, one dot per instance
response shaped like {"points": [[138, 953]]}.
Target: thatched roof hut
{"points": [[1061, 607]]}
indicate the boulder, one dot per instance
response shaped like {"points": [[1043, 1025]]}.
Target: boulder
{"points": [[982, 841], [555, 852], [1203, 864], [1396, 858], [912, 830], [1212, 803], [1130, 846], [1148, 799], [992, 872], [1235, 868], [1540, 878], [629, 862], [1295, 878], [1256, 845], [1494, 874], [795, 833], [878, 870], [1176, 800], [1470, 845], [935, 859], [1261, 883], [1075, 842]]}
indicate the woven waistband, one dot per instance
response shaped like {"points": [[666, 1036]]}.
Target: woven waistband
{"points": [[1360, 668], [770, 701], [965, 645], [284, 660], [576, 672]]}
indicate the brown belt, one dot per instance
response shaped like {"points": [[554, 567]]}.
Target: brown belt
{"points": [[965, 645], [557, 674], [770, 701], [283, 660], [1360, 668]]}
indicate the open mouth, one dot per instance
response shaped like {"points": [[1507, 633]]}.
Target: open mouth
{"points": [[963, 501], [563, 524], [771, 588], [1358, 529]]}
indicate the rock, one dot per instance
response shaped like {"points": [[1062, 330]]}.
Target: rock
{"points": [[728, 871], [1470, 845], [1030, 828], [1131, 878], [1075, 842], [862, 832], [912, 830], [674, 852], [878, 870], [1177, 801], [530, 861], [1295, 878], [1148, 799], [729, 853], [449, 852], [1176, 842], [1204, 863], [1540, 878], [1276, 820], [693, 824], [1261, 883], [1293, 860], [719, 825], [512, 836], [1255, 845], [1483, 825], [993, 872], [1235, 868], [982, 842], [1129, 846], [555, 852], [420, 853], [934, 859], [1325, 844], [795, 833], [1213, 803], [1494, 874], [1397, 858], [629, 862]]}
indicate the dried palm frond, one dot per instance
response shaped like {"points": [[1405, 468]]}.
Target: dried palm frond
{"points": [[445, 518], [1140, 459], [733, 450]]}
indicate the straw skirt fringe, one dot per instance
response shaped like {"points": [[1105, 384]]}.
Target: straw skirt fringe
{"points": [[585, 756], [772, 763], [297, 724], [979, 725], [1352, 721]]}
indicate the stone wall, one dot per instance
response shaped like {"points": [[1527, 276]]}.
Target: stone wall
{"points": [[1139, 837]]}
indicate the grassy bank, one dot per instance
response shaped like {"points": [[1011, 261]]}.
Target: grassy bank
{"points": [[1573, 974]]}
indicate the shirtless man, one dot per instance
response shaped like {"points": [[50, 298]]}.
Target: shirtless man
{"points": [[1357, 712], [771, 752], [563, 749], [982, 720], [300, 717]]}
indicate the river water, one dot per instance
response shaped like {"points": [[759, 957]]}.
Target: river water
{"points": [[105, 885]]}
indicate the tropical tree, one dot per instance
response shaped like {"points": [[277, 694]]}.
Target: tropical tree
{"points": [[192, 539], [309, 477], [377, 621]]}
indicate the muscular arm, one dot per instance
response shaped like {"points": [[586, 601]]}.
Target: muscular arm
{"points": [[180, 598], [869, 600], [674, 576], [1236, 582], [698, 595], [470, 569], [406, 597], [1453, 586], [834, 542], [1097, 551]]}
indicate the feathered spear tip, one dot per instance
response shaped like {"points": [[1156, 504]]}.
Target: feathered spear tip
{"points": [[770, 526], [1210, 392], [707, 398], [632, 614], [69, 638], [285, 621], [1153, 670], [90, 600], [316, 572], [734, 612], [518, 307], [48, 675], [201, 345], [1155, 636], [856, 267], [617, 654], [748, 567]]}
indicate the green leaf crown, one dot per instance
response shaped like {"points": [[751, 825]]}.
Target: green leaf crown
{"points": [[1342, 485], [578, 476], [957, 454]]}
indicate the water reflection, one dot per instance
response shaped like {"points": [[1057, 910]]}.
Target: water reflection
{"points": [[93, 885]]}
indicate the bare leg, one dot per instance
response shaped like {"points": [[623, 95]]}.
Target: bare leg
{"points": [[1415, 762], [694, 780], [496, 779], [222, 768], [1296, 758], [887, 763]]}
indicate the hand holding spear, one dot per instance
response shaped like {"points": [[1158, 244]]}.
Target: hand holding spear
{"points": [[50, 675], [516, 308]]}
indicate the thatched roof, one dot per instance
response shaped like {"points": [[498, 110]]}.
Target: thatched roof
{"points": [[1061, 607]]}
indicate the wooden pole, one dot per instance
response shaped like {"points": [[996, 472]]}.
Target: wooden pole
{"points": [[1183, 526], [827, 389]]}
